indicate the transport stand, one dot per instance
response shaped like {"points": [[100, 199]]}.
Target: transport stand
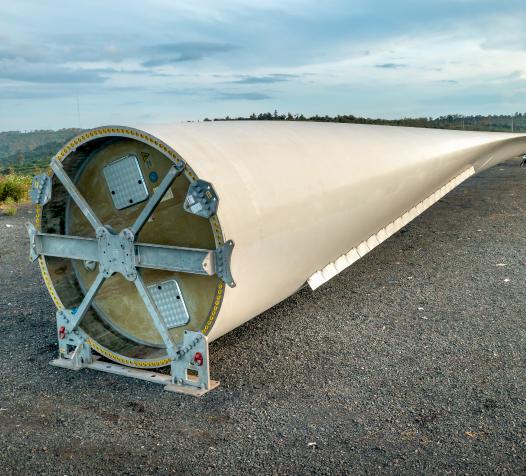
{"points": [[190, 371], [119, 253]]}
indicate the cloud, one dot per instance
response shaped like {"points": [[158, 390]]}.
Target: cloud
{"points": [[242, 96], [31, 94], [68, 49], [267, 79], [390, 65], [185, 91], [124, 71], [214, 94], [46, 73], [169, 53]]}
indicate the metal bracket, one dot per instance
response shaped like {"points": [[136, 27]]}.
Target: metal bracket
{"points": [[191, 368], [222, 257], [40, 191], [32, 232], [116, 253], [201, 199], [74, 352]]}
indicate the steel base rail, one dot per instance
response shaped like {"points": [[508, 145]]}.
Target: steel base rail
{"points": [[190, 372]]}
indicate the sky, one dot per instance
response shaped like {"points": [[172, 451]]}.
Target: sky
{"points": [[89, 63]]}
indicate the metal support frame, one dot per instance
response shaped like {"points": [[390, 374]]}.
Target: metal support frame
{"points": [[120, 253], [190, 370]]}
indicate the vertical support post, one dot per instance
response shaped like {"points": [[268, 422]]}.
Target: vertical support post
{"points": [[74, 352], [191, 368]]}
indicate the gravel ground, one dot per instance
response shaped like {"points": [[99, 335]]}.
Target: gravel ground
{"points": [[412, 361]]}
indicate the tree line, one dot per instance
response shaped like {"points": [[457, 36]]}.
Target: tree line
{"points": [[497, 123]]}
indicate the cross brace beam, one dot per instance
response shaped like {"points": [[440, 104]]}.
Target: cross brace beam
{"points": [[169, 258]]}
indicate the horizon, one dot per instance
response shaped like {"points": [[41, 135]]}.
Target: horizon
{"points": [[138, 64], [295, 115]]}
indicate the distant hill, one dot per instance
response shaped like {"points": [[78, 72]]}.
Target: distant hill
{"points": [[27, 152]]}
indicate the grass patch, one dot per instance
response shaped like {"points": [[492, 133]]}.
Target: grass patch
{"points": [[14, 189], [9, 207]]}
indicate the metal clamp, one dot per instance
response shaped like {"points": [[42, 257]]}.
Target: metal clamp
{"points": [[201, 199], [222, 257], [40, 191], [74, 352], [32, 232]]}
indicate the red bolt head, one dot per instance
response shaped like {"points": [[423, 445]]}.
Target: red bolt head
{"points": [[62, 332], [198, 358]]}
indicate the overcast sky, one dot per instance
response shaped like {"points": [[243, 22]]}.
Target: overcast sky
{"points": [[88, 63]]}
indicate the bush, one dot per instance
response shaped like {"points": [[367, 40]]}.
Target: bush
{"points": [[9, 207], [15, 187], [11, 211]]}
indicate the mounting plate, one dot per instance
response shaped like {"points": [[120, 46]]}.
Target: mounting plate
{"points": [[125, 182], [169, 300], [201, 199]]}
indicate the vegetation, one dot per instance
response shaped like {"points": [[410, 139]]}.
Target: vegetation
{"points": [[14, 189], [496, 123], [9, 207], [28, 152]]}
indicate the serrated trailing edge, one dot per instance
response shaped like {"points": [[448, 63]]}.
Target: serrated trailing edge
{"points": [[332, 269]]}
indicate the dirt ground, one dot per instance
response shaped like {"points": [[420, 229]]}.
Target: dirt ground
{"points": [[410, 362]]}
